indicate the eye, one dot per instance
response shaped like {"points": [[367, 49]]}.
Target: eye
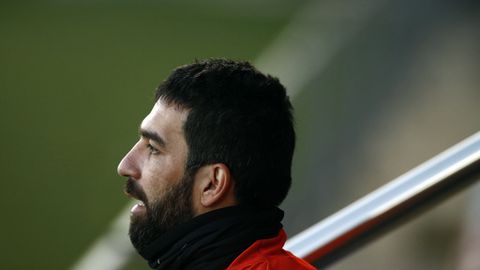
{"points": [[152, 149]]}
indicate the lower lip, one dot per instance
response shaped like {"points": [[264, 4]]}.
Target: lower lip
{"points": [[137, 209]]}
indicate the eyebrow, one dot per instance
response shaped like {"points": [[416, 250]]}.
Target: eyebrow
{"points": [[152, 135]]}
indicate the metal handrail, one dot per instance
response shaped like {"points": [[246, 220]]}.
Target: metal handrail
{"points": [[344, 231]]}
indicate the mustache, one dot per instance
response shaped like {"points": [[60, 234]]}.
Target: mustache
{"points": [[135, 190]]}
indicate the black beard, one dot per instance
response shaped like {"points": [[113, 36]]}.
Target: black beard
{"points": [[174, 208]]}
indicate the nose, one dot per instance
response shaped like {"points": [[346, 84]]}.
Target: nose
{"points": [[129, 166]]}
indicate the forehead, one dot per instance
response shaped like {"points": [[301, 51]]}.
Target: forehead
{"points": [[166, 120]]}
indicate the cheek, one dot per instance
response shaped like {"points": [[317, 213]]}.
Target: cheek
{"points": [[161, 174]]}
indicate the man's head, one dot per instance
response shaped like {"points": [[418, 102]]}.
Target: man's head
{"points": [[238, 117], [220, 134]]}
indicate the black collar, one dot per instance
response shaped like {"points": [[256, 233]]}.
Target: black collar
{"points": [[214, 239]]}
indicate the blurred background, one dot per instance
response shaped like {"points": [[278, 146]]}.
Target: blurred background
{"points": [[379, 86]]}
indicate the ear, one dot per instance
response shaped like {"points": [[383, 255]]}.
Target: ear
{"points": [[215, 187]]}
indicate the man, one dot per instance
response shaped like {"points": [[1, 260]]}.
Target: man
{"points": [[210, 168]]}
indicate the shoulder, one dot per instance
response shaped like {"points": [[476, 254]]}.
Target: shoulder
{"points": [[268, 254]]}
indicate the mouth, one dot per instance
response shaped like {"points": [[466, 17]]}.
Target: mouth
{"points": [[138, 208], [133, 191]]}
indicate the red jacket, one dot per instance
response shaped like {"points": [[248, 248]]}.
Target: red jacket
{"points": [[268, 254]]}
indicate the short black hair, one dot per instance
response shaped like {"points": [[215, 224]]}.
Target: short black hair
{"points": [[239, 117]]}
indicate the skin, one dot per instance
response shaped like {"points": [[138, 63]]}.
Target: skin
{"points": [[157, 161]]}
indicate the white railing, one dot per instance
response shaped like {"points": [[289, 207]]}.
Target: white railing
{"points": [[337, 235]]}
